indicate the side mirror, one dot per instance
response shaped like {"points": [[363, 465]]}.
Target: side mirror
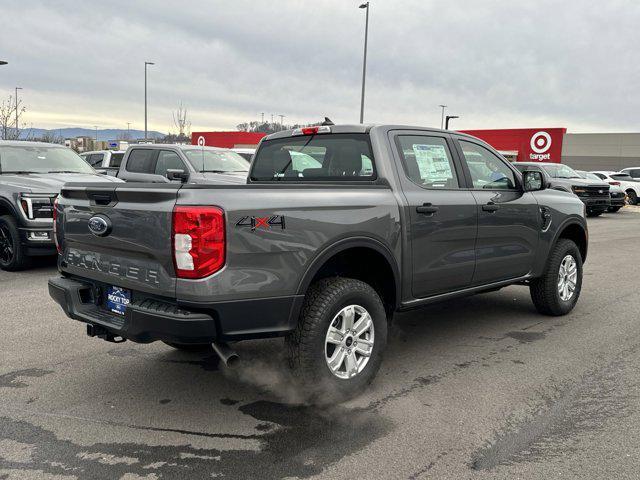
{"points": [[174, 174], [533, 181]]}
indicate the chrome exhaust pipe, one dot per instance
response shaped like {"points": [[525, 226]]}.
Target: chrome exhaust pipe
{"points": [[226, 354]]}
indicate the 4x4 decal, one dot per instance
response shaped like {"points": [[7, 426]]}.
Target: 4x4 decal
{"points": [[261, 222]]}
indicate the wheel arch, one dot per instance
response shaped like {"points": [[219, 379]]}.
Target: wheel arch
{"points": [[578, 233], [7, 208], [354, 257]]}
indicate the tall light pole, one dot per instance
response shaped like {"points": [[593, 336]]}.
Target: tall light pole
{"points": [[128, 130], [282, 121], [96, 127], [443, 107], [17, 131], [145, 97], [364, 60]]}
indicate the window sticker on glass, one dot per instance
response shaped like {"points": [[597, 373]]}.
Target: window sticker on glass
{"points": [[433, 162]]}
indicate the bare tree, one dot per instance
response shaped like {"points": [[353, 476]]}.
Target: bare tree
{"points": [[9, 120], [270, 127], [51, 136], [183, 125]]}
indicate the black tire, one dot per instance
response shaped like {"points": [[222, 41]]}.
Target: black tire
{"points": [[632, 197], [614, 209], [544, 290], [190, 347], [307, 344], [12, 254]]}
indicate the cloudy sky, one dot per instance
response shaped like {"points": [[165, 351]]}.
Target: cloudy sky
{"points": [[496, 63]]}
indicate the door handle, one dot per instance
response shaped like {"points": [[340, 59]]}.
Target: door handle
{"points": [[490, 207], [427, 209]]}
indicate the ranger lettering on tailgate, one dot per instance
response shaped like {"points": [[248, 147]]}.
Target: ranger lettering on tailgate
{"points": [[91, 261]]}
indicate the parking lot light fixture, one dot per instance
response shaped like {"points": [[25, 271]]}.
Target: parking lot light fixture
{"points": [[2, 62], [449, 117], [364, 61], [146, 64]]}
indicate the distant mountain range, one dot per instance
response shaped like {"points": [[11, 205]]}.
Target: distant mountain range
{"points": [[103, 135]]}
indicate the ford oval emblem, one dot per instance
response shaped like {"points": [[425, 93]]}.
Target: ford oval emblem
{"points": [[99, 226]]}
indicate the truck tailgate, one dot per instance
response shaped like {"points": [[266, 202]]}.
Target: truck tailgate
{"points": [[136, 253]]}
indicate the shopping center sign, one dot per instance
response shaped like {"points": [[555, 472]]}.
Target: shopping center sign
{"points": [[531, 144]]}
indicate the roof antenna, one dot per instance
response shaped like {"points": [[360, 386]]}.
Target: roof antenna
{"points": [[327, 121]]}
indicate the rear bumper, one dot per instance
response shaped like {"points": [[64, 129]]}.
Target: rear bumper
{"points": [[150, 319]]}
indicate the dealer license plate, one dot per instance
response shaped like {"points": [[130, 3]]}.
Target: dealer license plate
{"points": [[118, 299]]}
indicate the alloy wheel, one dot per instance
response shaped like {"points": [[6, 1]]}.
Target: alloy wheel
{"points": [[349, 341], [6, 245], [567, 277]]}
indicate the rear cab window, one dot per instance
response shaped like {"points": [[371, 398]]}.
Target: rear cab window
{"points": [[319, 157], [142, 160]]}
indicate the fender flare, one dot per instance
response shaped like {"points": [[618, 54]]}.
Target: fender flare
{"points": [[341, 245], [567, 223]]}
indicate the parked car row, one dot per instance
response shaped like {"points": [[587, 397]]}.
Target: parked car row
{"points": [[32, 174]]}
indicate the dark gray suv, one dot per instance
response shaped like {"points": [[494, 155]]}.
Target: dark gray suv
{"points": [[594, 194], [31, 176]]}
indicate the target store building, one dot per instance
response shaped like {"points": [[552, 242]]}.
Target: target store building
{"points": [[582, 151]]}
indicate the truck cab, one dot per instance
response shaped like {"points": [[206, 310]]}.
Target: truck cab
{"points": [[160, 163]]}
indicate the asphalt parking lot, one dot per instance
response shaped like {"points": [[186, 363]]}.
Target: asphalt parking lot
{"points": [[479, 388]]}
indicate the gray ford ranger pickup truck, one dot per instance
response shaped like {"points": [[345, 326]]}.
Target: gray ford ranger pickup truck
{"points": [[393, 218], [31, 176], [163, 163]]}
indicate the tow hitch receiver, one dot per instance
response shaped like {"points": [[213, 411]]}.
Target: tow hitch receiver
{"points": [[103, 333]]}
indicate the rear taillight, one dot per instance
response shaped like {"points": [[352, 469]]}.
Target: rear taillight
{"points": [[614, 183], [55, 226], [198, 241]]}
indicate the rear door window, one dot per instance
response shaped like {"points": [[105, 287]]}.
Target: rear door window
{"points": [[427, 161], [321, 157], [142, 160]]}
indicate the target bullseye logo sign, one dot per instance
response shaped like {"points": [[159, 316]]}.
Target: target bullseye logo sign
{"points": [[201, 141], [540, 145]]}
